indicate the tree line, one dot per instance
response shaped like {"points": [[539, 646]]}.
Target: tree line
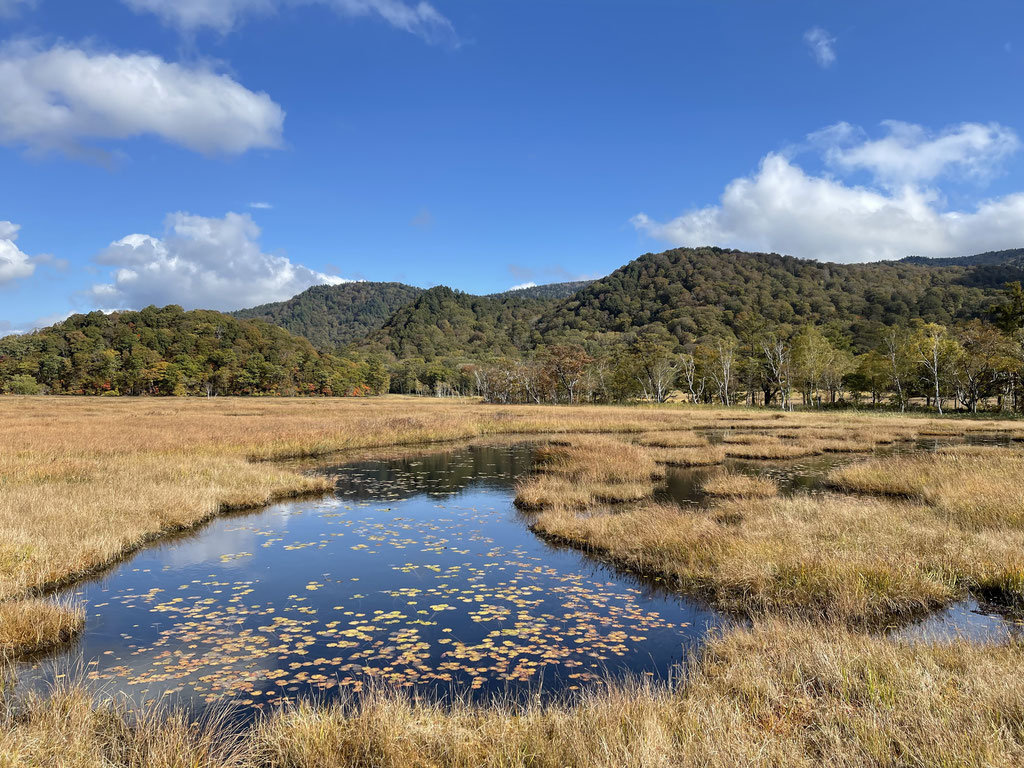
{"points": [[973, 365]]}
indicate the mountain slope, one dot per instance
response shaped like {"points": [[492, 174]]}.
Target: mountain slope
{"points": [[693, 292], [443, 322], [334, 315]]}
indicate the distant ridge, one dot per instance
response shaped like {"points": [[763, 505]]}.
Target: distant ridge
{"points": [[335, 315], [548, 291], [987, 259], [443, 321]]}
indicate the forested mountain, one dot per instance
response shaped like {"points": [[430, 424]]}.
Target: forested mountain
{"points": [[444, 322], [359, 337], [334, 315], [696, 292], [989, 258], [169, 351], [692, 293]]}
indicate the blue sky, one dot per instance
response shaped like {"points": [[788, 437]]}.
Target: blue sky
{"points": [[220, 153]]}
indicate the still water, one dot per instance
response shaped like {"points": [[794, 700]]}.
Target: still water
{"points": [[417, 572]]}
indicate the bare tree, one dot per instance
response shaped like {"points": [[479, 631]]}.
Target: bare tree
{"points": [[722, 358], [896, 353], [695, 380], [934, 347], [777, 360]]}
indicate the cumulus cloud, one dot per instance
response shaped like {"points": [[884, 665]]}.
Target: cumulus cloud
{"points": [[58, 97], [821, 45], [523, 286], [783, 208], [14, 263], [200, 262], [420, 18]]}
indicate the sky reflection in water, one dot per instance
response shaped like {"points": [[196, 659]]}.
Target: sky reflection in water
{"points": [[418, 572]]}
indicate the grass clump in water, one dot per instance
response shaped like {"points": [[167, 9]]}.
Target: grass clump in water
{"points": [[33, 625], [586, 471], [764, 447], [731, 484]]}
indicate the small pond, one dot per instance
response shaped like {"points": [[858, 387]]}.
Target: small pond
{"points": [[417, 572]]}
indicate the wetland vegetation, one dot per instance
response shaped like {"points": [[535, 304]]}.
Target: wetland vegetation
{"points": [[765, 602]]}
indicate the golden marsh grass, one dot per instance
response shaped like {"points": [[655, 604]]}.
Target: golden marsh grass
{"points": [[778, 694], [30, 626], [738, 485], [87, 480]]}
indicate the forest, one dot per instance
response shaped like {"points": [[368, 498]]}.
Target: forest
{"points": [[707, 324], [170, 351]]}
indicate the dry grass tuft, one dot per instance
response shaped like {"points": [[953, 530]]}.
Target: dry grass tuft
{"points": [[587, 471], [769, 448], [703, 456], [672, 440], [739, 485], [30, 626], [65, 729], [977, 487]]}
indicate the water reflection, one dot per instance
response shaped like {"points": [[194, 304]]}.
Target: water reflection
{"points": [[966, 620], [418, 573]]}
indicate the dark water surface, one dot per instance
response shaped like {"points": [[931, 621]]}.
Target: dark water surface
{"points": [[417, 572]]}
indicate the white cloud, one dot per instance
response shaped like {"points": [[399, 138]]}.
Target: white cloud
{"points": [[261, 206], [200, 262], [9, 8], [821, 45], [419, 18], [911, 154], [783, 208], [14, 264], [58, 97], [522, 286]]}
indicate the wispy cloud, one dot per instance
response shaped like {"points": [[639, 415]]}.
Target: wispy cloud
{"points": [[261, 206], [910, 154], [422, 220], [418, 18], [821, 45], [9, 8]]}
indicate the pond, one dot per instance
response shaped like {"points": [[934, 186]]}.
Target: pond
{"points": [[417, 572]]}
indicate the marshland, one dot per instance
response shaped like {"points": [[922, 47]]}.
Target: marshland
{"points": [[410, 581]]}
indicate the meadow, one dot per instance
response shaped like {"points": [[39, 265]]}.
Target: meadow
{"points": [[806, 677]]}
